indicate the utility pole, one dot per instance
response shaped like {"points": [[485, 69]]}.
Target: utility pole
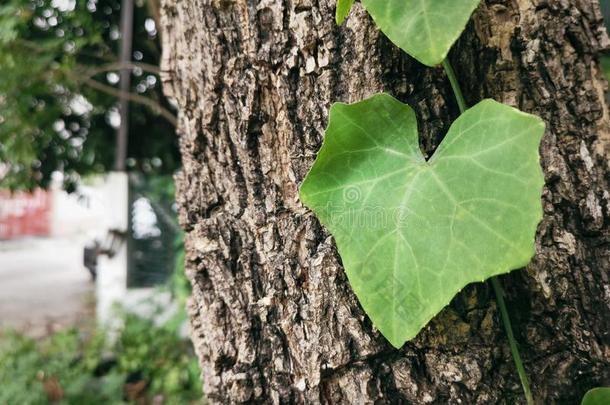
{"points": [[111, 282], [125, 83]]}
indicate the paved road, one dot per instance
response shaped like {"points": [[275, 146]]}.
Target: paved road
{"points": [[43, 285]]}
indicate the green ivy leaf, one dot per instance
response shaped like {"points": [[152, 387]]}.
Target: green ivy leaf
{"points": [[343, 8], [412, 233], [597, 396], [425, 29]]}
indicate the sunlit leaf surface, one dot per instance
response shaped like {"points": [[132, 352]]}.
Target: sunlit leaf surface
{"points": [[412, 233]]}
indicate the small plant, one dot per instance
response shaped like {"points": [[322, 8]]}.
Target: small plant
{"points": [[413, 232], [146, 364]]}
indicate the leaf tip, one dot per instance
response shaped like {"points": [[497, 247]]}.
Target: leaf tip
{"points": [[397, 344], [399, 334], [343, 9]]}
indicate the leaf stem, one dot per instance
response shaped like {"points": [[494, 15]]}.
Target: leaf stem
{"points": [[511, 340], [455, 85], [457, 91]]}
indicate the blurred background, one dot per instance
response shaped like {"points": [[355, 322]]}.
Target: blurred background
{"points": [[92, 287]]}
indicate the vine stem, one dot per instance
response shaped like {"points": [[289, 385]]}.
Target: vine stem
{"points": [[495, 282], [455, 85], [511, 340]]}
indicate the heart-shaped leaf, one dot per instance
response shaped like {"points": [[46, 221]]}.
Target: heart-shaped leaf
{"points": [[597, 396], [425, 29], [343, 8], [412, 233]]}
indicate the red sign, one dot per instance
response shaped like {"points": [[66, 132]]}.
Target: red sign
{"points": [[25, 214]]}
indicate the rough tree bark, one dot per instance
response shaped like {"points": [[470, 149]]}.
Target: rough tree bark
{"points": [[273, 318]]}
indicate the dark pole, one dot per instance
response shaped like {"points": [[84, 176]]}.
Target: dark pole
{"points": [[125, 83]]}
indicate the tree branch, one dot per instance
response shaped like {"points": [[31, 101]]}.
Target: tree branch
{"points": [[86, 78], [119, 66], [171, 118]]}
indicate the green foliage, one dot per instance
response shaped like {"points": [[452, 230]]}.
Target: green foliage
{"points": [[51, 118], [343, 8], [425, 29], [597, 396], [442, 223], [145, 362], [411, 232]]}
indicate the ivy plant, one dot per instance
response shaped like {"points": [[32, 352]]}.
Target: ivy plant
{"points": [[597, 396], [413, 232]]}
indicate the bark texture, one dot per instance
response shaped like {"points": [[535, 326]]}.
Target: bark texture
{"points": [[273, 318]]}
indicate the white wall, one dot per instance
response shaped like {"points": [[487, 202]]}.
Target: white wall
{"points": [[111, 286], [77, 213]]}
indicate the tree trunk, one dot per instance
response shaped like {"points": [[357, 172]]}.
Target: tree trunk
{"points": [[273, 317]]}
